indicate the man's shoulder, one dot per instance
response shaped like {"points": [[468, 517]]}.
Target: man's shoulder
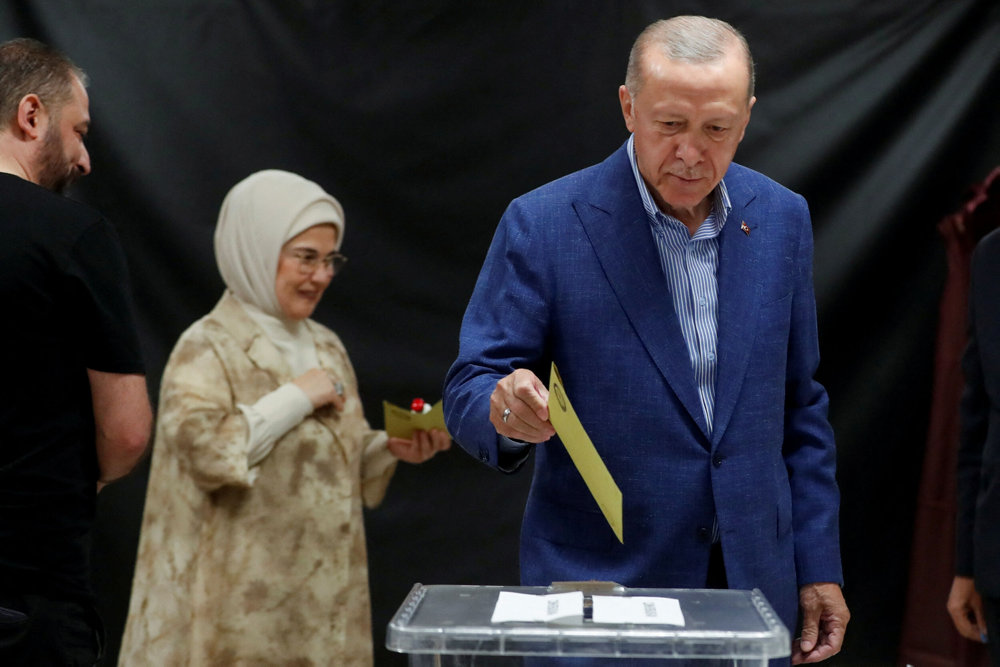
{"points": [[989, 244], [42, 210], [583, 183], [740, 178], [986, 261]]}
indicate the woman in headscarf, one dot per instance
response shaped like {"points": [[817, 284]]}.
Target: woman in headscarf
{"points": [[252, 549]]}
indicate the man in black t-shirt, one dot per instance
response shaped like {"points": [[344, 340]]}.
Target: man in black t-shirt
{"points": [[74, 409]]}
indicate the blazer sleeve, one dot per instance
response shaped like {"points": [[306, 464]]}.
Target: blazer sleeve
{"points": [[809, 449], [974, 410], [504, 329]]}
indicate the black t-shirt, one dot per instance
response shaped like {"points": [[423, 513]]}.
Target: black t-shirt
{"points": [[66, 308]]}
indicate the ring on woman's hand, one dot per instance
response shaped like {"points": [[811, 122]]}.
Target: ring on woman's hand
{"points": [[339, 388], [506, 413]]}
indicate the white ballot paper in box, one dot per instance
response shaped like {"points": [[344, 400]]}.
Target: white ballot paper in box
{"points": [[524, 607], [639, 609]]}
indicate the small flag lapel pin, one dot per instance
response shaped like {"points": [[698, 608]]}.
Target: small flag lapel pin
{"points": [[745, 227]]}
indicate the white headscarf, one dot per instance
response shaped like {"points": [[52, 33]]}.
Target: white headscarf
{"points": [[258, 216]]}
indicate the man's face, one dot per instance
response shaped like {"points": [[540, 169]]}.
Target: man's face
{"points": [[62, 158], [687, 120]]}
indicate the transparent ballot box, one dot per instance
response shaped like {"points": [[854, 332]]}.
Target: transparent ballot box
{"points": [[450, 626]]}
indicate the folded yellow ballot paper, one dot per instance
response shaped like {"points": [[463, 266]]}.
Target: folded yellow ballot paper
{"points": [[584, 455], [402, 422]]}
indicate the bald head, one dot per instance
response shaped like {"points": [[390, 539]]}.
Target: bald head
{"points": [[689, 39]]}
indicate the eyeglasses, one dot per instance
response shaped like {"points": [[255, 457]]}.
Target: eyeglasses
{"points": [[309, 261]]}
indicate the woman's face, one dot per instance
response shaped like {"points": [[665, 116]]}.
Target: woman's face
{"points": [[302, 274]]}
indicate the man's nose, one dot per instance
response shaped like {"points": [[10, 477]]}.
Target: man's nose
{"points": [[83, 164], [689, 149]]}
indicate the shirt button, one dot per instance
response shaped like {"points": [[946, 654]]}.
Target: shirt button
{"points": [[710, 356]]}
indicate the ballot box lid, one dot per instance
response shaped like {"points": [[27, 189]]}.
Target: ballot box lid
{"points": [[451, 619]]}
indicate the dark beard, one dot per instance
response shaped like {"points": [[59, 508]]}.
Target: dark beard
{"points": [[54, 173]]}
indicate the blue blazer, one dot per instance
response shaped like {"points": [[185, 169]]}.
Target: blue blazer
{"points": [[573, 276]]}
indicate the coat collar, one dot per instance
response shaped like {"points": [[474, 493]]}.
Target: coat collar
{"points": [[616, 223], [618, 228], [230, 315], [251, 338]]}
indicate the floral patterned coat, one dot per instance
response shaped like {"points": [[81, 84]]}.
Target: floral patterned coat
{"points": [[262, 565]]}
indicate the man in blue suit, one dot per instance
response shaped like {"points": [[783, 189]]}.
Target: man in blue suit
{"points": [[673, 290]]}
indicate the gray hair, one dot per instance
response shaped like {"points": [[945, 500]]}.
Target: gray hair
{"points": [[691, 39], [27, 66]]}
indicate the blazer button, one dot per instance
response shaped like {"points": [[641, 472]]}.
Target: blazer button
{"points": [[703, 533], [717, 461]]}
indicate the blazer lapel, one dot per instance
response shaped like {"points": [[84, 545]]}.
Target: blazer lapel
{"points": [[618, 228], [738, 299]]}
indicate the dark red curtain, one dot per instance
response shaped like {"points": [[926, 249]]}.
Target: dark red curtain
{"points": [[929, 639]]}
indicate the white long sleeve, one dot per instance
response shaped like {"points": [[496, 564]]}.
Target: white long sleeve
{"points": [[271, 417]]}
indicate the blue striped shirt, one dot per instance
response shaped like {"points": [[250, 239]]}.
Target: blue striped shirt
{"points": [[690, 264]]}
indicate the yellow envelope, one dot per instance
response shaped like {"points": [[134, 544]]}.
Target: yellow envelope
{"points": [[402, 422], [584, 455]]}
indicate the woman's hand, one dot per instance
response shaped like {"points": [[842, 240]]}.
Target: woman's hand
{"points": [[421, 447], [321, 388]]}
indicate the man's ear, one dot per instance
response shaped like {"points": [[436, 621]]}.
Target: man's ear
{"points": [[747, 122], [628, 108], [31, 116]]}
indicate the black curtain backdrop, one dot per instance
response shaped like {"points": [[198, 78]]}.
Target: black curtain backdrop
{"points": [[426, 118]]}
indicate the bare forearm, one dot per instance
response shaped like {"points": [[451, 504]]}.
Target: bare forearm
{"points": [[118, 454], [122, 418]]}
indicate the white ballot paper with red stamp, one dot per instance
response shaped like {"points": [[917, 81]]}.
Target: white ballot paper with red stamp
{"points": [[585, 457]]}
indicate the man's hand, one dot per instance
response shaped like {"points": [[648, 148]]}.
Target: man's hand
{"points": [[824, 622], [524, 400], [966, 609]]}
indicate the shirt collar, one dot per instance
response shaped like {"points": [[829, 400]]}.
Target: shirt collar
{"points": [[721, 206]]}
